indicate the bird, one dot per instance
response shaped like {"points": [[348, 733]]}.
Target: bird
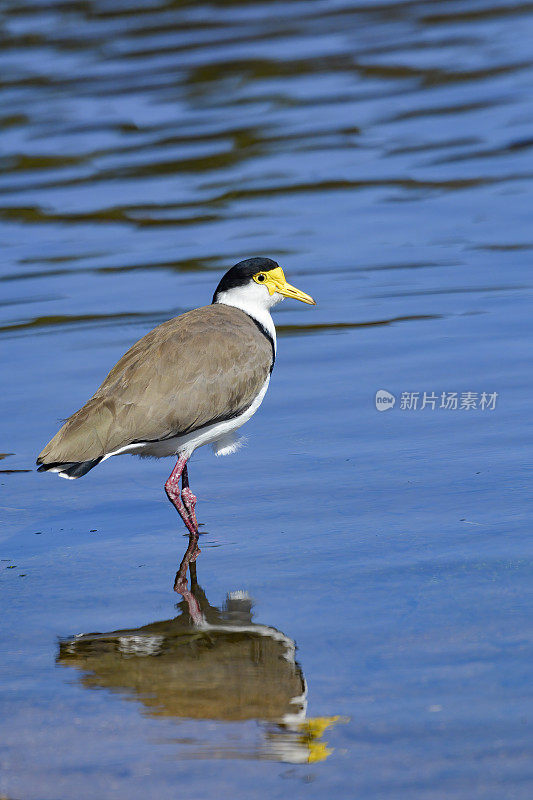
{"points": [[194, 380]]}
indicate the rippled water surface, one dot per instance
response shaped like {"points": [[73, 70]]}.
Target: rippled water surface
{"points": [[364, 576]]}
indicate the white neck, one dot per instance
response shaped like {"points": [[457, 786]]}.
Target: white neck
{"points": [[255, 301]]}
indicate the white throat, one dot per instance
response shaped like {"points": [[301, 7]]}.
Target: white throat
{"points": [[255, 301]]}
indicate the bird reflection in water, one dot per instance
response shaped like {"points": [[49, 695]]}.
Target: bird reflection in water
{"points": [[209, 663]]}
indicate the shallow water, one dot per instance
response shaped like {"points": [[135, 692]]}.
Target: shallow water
{"points": [[368, 571]]}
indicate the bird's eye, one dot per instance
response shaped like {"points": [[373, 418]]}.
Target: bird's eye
{"points": [[261, 278]]}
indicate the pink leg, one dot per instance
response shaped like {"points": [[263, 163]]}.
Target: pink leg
{"points": [[188, 498], [186, 512], [172, 488]]}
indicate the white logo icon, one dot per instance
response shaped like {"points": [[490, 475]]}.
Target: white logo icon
{"points": [[384, 400]]}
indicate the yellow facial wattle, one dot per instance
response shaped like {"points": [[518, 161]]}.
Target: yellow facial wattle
{"points": [[274, 280]]}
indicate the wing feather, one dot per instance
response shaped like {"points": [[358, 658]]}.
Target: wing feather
{"points": [[201, 367]]}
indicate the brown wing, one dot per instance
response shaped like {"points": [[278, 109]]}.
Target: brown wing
{"points": [[204, 366]]}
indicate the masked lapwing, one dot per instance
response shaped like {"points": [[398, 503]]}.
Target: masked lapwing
{"points": [[191, 381]]}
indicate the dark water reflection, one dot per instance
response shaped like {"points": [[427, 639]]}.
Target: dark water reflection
{"points": [[209, 663], [382, 153]]}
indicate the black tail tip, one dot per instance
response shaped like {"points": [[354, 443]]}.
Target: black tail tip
{"points": [[71, 469]]}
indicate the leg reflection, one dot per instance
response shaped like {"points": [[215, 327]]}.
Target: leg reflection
{"points": [[181, 586]]}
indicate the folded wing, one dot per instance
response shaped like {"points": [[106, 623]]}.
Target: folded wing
{"points": [[205, 366]]}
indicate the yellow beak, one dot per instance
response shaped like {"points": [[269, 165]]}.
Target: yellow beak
{"points": [[276, 283]]}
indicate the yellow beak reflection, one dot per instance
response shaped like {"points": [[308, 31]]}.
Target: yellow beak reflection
{"points": [[276, 282]]}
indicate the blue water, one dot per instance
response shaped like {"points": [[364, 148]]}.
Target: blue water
{"points": [[381, 152]]}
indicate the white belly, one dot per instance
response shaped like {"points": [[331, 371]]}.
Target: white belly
{"points": [[222, 435]]}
